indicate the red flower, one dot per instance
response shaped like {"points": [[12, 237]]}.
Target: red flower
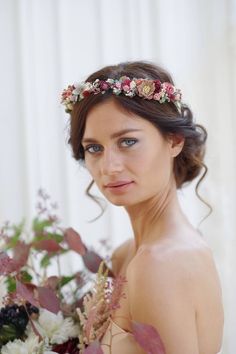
{"points": [[69, 347], [86, 93], [157, 85], [126, 82]]}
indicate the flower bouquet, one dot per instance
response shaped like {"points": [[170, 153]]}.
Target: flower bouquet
{"points": [[43, 313]]}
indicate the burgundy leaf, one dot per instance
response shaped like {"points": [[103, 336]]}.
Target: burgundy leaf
{"points": [[52, 282], [74, 241], [94, 348], [48, 299], [9, 265], [79, 278], [48, 245], [26, 291], [148, 338], [69, 347], [92, 261], [5, 264], [21, 253]]}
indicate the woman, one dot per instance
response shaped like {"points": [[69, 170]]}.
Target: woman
{"points": [[140, 144]]}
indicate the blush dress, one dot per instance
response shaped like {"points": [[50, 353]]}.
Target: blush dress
{"points": [[117, 341]]}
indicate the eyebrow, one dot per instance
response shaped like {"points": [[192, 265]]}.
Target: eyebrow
{"points": [[112, 136]]}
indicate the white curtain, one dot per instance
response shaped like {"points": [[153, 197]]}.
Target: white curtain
{"points": [[47, 44]]}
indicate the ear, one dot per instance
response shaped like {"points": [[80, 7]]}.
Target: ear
{"points": [[176, 143]]}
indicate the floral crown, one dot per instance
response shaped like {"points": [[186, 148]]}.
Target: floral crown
{"points": [[145, 88]]}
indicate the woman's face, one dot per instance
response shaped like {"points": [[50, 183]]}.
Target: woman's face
{"points": [[126, 155]]}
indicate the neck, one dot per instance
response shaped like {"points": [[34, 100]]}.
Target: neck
{"points": [[152, 219]]}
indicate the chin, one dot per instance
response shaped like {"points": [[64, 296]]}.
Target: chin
{"points": [[119, 201]]}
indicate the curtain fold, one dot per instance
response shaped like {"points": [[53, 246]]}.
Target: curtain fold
{"points": [[46, 45]]}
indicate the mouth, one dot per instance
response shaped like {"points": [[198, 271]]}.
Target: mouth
{"points": [[117, 184], [119, 188]]}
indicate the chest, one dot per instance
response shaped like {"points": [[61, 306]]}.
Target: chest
{"points": [[121, 316]]}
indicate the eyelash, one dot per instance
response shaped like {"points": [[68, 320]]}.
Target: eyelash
{"points": [[92, 145]]}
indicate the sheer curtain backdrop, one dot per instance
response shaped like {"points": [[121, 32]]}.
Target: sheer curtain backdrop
{"points": [[47, 44]]}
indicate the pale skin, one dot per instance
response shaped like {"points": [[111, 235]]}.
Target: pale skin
{"points": [[172, 281]]}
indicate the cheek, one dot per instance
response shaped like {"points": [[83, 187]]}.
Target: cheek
{"points": [[155, 166], [91, 167]]}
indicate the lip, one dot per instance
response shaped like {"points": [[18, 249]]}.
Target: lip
{"points": [[117, 184], [118, 188]]}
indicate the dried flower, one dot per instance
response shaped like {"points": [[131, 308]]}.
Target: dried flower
{"points": [[130, 87], [98, 306], [146, 88]]}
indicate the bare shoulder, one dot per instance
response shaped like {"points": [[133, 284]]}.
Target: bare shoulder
{"points": [[190, 263], [119, 255], [169, 285]]}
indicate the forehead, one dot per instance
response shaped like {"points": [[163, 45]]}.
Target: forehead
{"points": [[107, 118]]}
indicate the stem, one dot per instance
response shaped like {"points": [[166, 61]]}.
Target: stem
{"points": [[59, 275], [32, 267]]}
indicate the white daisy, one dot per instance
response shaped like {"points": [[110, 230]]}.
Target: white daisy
{"points": [[29, 346], [56, 328]]}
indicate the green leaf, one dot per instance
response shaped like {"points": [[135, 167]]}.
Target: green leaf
{"points": [[45, 261], [7, 333], [66, 279], [54, 236], [40, 225], [18, 230], [11, 284], [25, 277]]}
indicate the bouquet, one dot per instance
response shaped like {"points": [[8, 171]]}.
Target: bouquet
{"points": [[43, 313]]}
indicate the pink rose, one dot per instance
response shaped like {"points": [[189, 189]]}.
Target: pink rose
{"points": [[126, 88], [68, 92], [157, 96], [169, 88], [104, 85]]}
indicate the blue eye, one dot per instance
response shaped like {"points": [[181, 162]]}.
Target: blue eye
{"points": [[129, 141], [95, 149]]}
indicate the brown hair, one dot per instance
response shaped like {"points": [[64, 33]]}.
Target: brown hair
{"points": [[165, 117]]}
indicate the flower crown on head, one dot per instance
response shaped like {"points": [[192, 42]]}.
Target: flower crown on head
{"points": [[145, 88]]}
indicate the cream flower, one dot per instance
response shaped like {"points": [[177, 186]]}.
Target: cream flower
{"points": [[56, 328], [146, 88], [29, 346]]}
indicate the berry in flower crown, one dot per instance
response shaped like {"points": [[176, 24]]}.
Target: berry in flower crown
{"points": [[145, 88]]}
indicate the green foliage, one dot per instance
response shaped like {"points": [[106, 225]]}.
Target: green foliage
{"points": [[17, 230], [25, 276], [27, 265], [65, 280], [11, 284], [45, 261], [40, 225], [7, 333]]}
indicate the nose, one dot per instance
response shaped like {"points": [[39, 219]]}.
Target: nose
{"points": [[111, 162]]}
